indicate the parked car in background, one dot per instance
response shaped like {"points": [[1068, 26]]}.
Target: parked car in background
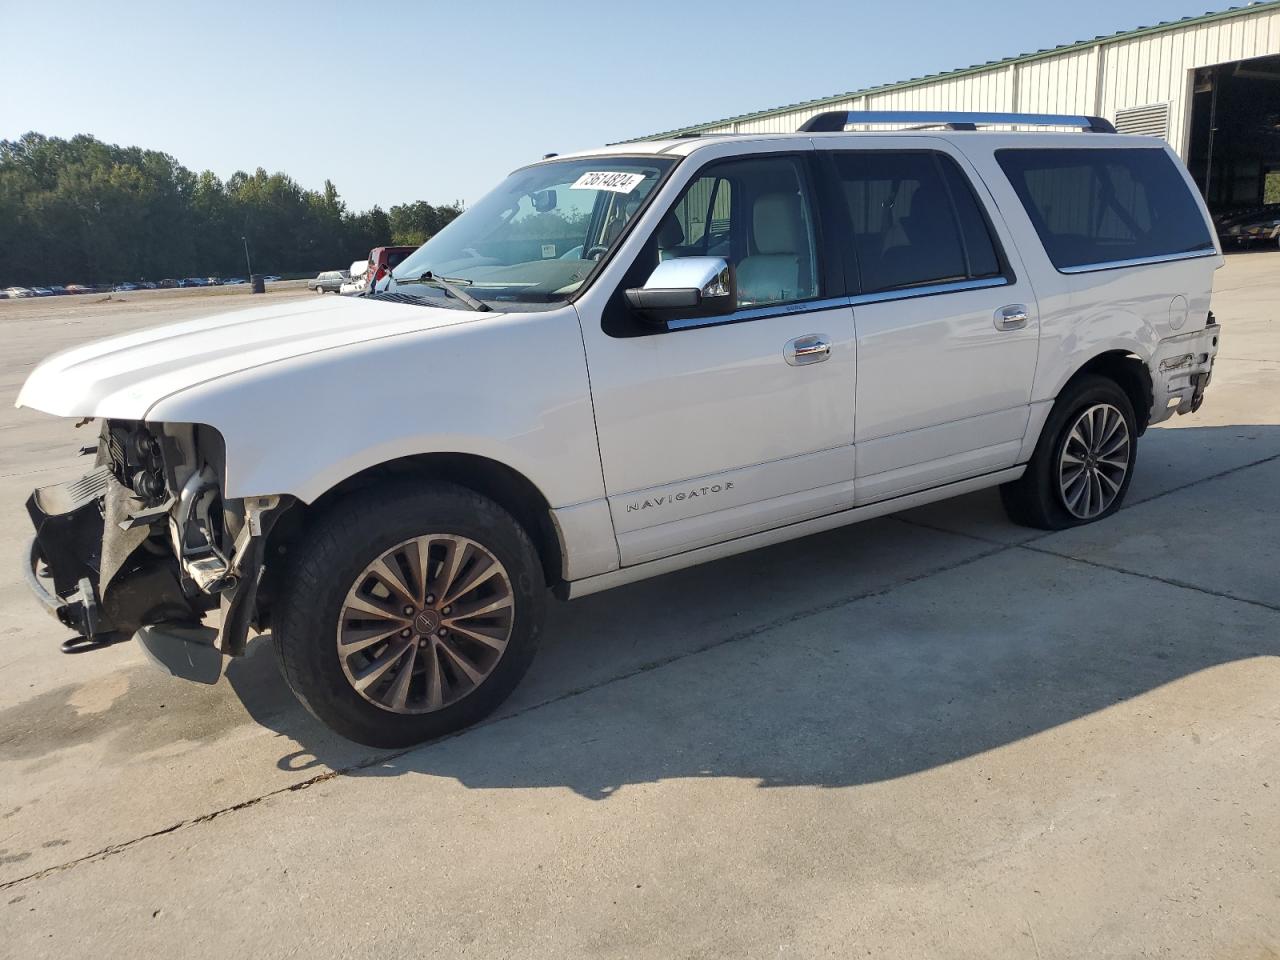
{"points": [[78, 288], [195, 282], [232, 281], [42, 291], [1249, 227], [16, 293], [270, 278], [168, 284], [330, 281], [147, 284], [382, 260], [125, 287], [356, 282], [57, 290]]}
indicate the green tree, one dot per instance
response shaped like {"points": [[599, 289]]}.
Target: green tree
{"points": [[83, 211]]}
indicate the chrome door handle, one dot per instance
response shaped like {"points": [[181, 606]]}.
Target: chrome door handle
{"points": [[813, 348], [1012, 317]]}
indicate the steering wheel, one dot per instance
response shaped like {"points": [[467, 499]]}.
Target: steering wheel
{"points": [[592, 253]]}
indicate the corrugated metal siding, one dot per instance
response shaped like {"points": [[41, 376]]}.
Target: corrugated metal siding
{"points": [[1063, 84], [1111, 75]]}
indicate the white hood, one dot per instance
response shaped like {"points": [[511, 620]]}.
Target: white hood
{"points": [[124, 377]]}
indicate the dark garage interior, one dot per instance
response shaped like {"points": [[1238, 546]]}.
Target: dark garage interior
{"points": [[1235, 134]]}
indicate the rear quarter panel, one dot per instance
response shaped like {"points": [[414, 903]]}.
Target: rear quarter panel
{"points": [[1083, 315]]}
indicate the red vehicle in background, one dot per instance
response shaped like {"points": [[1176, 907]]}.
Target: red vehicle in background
{"points": [[382, 260]]}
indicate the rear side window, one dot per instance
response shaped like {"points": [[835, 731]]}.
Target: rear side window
{"points": [[914, 220], [1094, 207]]}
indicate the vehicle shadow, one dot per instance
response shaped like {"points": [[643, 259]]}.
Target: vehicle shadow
{"points": [[856, 656]]}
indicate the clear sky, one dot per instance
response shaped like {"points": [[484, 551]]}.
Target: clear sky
{"points": [[437, 101]]}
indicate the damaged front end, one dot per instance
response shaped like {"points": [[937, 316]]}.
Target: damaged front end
{"points": [[144, 544]]}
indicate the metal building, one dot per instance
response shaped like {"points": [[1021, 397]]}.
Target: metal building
{"points": [[1210, 85]]}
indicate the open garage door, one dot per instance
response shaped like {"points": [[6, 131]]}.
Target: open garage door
{"points": [[1235, 136]]}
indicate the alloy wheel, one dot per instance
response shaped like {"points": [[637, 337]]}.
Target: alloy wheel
{"points": [[425, 623], [1094, 461]]}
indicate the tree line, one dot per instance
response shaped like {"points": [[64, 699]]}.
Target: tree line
{"points": [[84, 211]]}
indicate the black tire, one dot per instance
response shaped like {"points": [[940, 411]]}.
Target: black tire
{"points": [[334, 552], [1034, 499]]}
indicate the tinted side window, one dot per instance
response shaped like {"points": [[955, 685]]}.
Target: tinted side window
{"points": [[704, 214], [914, 219], [755, 213], [979, 245], [1099, 206]]}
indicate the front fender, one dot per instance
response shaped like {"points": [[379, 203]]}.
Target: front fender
{"points": [[510, 387]]}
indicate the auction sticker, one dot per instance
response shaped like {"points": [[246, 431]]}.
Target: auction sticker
{"points": [[612, 182]]}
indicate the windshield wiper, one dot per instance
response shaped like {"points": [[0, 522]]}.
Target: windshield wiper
{"points": [[449, 285]]}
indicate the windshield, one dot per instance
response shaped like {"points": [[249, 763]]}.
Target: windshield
{"points": [[539, 236]]}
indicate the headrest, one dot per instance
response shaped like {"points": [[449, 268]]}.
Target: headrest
{"points": [[670, 233], [776, 219]]}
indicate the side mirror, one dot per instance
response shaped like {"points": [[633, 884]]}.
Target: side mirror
{"points": [[686, 287]]}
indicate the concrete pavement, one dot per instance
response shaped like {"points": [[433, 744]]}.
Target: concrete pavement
{"points": [[935, 734]]}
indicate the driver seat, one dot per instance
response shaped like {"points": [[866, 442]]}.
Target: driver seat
{"points": [[774, 272]]}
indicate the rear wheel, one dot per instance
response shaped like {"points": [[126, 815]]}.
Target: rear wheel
{"points": [[410, 613], [1083, 464]]}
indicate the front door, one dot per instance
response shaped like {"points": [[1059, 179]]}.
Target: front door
{"points": [[709, 428]]}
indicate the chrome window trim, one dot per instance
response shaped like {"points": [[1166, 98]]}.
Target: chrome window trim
{"points": [[1138, 261], [759, 313], [831, 303], [928, 290]]}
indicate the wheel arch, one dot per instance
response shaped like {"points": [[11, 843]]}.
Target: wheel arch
{"points": [[1131, 374], [504, 485]]}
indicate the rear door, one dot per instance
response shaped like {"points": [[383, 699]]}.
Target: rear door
{"points": [[946, 321]]}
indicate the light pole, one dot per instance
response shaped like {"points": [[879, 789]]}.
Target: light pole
{"points": [[247, 265]]}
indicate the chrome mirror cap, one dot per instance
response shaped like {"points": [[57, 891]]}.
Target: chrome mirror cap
{"points": [[708, 275], [686, 287]]}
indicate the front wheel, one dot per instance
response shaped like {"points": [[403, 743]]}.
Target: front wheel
{"points": [[1083, 464], [409, 613]]}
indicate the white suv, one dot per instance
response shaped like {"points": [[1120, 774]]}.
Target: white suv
{"points": [[617, 364]]}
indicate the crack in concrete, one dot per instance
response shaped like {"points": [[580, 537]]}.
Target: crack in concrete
{"points": [[1170, 581], [998, 547]]}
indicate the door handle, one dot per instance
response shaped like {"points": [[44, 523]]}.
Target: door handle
{"points": [[812, 348], [1012, 317]]}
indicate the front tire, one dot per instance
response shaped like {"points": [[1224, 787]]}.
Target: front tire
{"points": [[1083, 462], [409, 613]]}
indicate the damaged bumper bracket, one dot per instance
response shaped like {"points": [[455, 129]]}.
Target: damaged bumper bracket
{"points": [[79, 611], [87, 565]]}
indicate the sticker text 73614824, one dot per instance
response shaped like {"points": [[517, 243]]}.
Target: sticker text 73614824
{"points": [[611, 181]]}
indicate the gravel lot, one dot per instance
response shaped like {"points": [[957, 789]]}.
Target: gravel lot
{"points": [[932, 735]]}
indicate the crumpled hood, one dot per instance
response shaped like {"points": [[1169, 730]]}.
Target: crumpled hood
{"points": [[123, 377]]}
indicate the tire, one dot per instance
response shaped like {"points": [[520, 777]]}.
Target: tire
{"points": [[453, 680], [1047, 496]]}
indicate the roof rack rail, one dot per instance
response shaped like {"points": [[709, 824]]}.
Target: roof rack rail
{"points": [[834, 121]]}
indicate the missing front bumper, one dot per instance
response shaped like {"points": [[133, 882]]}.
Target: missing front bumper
{"points": [[89, 567]]}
